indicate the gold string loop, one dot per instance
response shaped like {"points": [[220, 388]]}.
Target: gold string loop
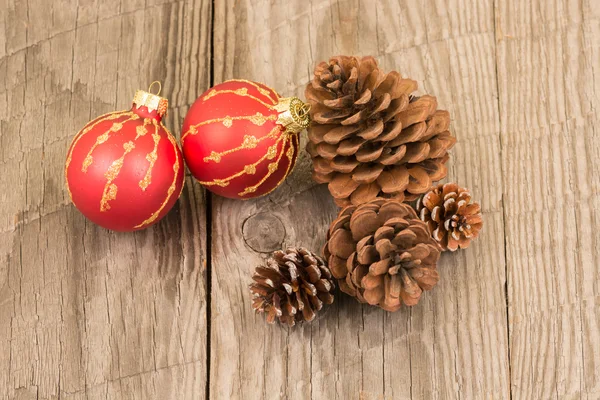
{"points": [[293, 114], [159, 87], [152, 101], [304, 110]]}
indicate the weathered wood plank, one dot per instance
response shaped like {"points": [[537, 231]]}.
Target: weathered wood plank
{"points": [[453, 344], [87, 313], [548, 64]]}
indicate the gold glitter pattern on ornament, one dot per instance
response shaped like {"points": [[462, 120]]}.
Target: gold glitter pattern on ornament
{"points": [[221, 182], [110, 189], [290, 155], [171, 189], [272, 167], [115, 127], [214, 92], [110, 193], [192, 131], [270, 154], [141, 129], [91, 125], [151, 158], [257, 119], [238, 92], [214, 156], [249, 142], [228, 122], [290, 152], [88, 127], [262, 90]]}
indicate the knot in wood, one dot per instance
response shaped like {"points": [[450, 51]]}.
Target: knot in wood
{"points": [[263, 232]]}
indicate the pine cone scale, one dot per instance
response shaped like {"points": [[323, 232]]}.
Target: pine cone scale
{"points": [[339, 133], [372, 131], [364, 98], [340, 103], [393, 181], [392, 130], [349, 147], [364, 193], [375, 295], [380, 267], [338, 267], [341, 244]]}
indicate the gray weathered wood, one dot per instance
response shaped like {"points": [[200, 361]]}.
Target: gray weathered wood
{"points": [[548, 63], [86, 313], [455, 343]]}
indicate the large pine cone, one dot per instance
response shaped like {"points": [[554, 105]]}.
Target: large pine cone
{"points": [[370, 137], [293, 286], [450, 216], [382, 254]]}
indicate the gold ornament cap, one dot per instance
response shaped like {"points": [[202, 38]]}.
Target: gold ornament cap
{"points": [[153, 102], [293, 114]]}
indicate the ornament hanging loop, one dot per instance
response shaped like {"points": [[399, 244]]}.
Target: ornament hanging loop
{"points": [[304, 110], [153, 102], [159, 88], [293, 114]]}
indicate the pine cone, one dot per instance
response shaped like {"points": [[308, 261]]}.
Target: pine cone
{"points": [[382, 254], [293, 286], [450, 216], [370, 137]]}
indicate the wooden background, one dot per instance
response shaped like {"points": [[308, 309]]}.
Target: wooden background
{"points": [[165, 313]]}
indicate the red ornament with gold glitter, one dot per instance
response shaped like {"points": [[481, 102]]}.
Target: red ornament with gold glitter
{"points": [[240, 139], [124, 170]]}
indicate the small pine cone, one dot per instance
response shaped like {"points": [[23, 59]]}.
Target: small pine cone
{"points": [[370, 137], [382, 254], [293, 286], [450, 216]]}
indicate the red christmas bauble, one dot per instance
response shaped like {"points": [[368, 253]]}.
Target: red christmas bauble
{"points": [[124, 170], [240, 139]]}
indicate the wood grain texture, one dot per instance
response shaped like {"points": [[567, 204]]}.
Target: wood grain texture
{"points": [[90, 314], [548, 63], [455, 343], [86, 313]]}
